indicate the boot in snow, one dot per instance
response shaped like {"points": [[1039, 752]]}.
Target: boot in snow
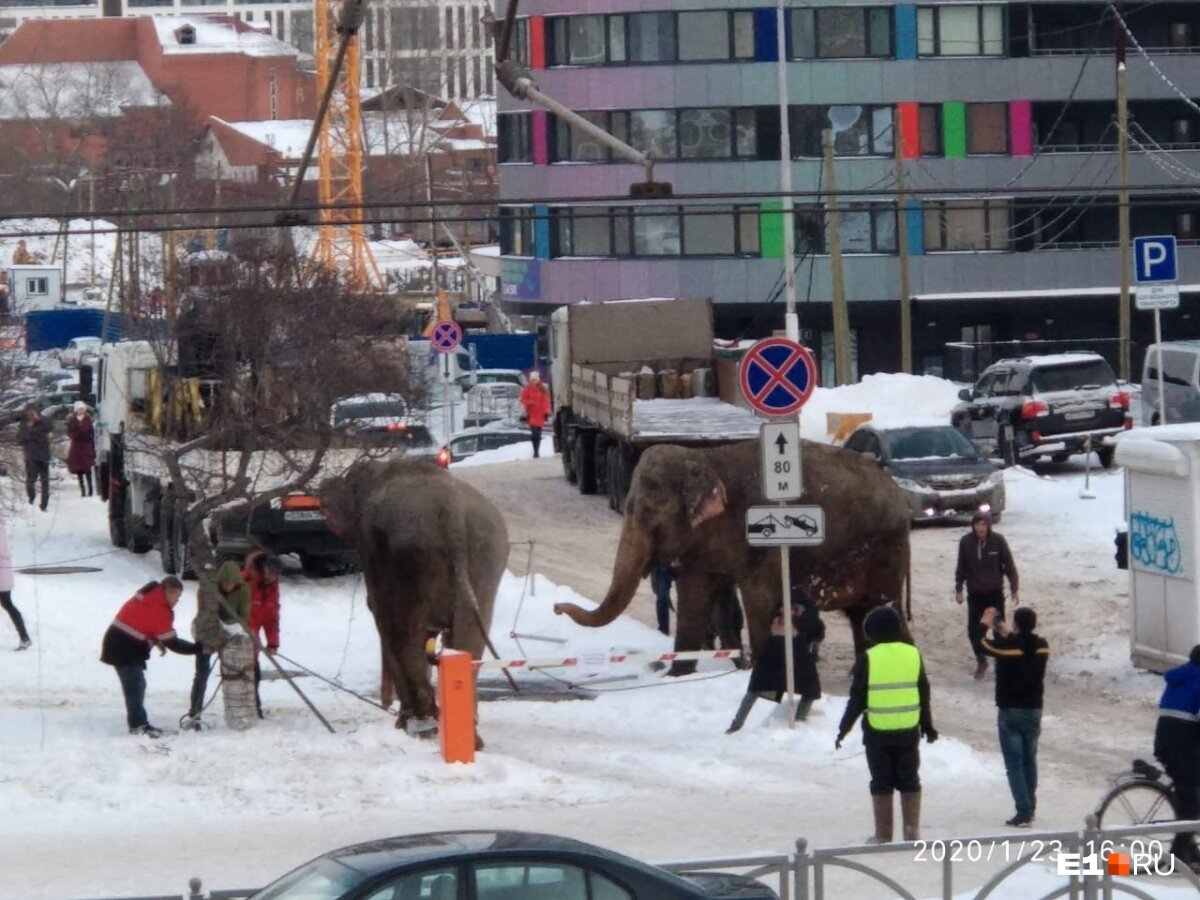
{"points": [[910, 811], [25, 644], [882, 807]]}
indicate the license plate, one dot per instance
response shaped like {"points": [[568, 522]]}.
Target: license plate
{"points": [[1085, 414], [303, 515]]}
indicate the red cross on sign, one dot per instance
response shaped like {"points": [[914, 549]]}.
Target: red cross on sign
{"points": [[777, 376], [446, 336]]}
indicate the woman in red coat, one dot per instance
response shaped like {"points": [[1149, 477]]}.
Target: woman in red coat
{"points": [[82, 456], [536, 401]]}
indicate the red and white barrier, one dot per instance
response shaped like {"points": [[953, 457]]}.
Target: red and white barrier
{"points": [[604, 659]]}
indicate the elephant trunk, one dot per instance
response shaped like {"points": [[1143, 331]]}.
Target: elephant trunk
{"points": [[630, 567]]}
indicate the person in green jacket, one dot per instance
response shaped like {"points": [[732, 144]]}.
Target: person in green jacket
{"points": [[227, 604]]}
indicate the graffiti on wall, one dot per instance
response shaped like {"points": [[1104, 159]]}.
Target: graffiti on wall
{"points": [[1154, 543]]}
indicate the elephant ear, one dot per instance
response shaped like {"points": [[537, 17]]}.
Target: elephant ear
{"points": [[703, 492]]}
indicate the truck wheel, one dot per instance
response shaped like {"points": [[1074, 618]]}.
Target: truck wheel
{"points": [[600, 452], [116, 517], [585, 462], [137, 535], [101, 476], [612, 466], [568, 460], [316, 566]]}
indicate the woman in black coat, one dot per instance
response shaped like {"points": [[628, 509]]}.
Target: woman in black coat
{"points": [[768, 679]]}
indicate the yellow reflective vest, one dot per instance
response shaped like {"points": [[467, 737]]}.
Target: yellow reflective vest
{"points": [[893, 699]]}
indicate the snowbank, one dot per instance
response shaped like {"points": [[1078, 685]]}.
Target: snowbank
{"points": [[894, 400]]}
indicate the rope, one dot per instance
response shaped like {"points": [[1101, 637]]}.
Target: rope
{"points": [[334, 684]]}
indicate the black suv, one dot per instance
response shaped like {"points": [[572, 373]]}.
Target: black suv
{"points": [[1043, 406]]}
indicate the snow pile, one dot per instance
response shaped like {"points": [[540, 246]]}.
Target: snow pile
{"points": [[894, 400], [508, 453]]}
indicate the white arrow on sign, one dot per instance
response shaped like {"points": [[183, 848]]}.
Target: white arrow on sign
{"points": [[780, 446], [785, 526]]}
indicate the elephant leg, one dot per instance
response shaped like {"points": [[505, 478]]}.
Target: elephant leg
{"points": [[694, 600], [759, 599], [386, 686]]}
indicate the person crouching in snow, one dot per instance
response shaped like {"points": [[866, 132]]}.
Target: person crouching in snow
{"points": [[145, 620], [536, 401], [768, 679]]}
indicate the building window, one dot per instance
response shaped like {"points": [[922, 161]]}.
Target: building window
{"points": [[570, 144], [865, 228], [850, 32], [987, 128], [715, 231], [975, 224], [652, 37], [857, 130], [514, 142], [930, 115], [716, 35], [37, 287], [705, 134], [516, 231], [960, 31], [577, 41], [624, 231], [653, 131]]}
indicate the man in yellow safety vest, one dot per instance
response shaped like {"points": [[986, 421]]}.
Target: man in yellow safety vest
{"points": [[890, 687]]}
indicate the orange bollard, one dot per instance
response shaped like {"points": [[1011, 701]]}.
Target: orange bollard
{"points": [[456, 706]]}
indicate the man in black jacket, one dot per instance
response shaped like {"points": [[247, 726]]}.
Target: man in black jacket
{"points": [[1021, 657], [984, 561], [34, 438]]}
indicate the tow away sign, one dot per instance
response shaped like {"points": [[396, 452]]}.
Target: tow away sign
{"points": [[780, 445], [785, 526]]}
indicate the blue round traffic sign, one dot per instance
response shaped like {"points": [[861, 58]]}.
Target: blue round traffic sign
{"points": [[777, 376], [446, 336]]}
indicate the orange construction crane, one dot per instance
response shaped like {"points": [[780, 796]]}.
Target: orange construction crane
{"points": [[341, 245]]}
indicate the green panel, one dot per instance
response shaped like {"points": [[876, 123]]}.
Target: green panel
{"points": [[770, 230], [954, 129]]}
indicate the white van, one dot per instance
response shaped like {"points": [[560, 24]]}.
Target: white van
{"points": [[1180, 382]]}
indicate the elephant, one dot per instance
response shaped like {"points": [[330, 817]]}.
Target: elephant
{"points": [[690, 504], [433, 550]]}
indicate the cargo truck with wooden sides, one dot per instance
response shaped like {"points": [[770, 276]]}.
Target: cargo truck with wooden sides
{"points": [[628, 374]]}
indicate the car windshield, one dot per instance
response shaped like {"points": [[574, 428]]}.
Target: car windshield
{"points": [[1092, 373], [928, 443], [321, 879], [380, 409]]}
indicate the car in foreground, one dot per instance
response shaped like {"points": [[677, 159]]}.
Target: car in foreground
{"points": [[939, 470], [496, 865], [470, 441], [1035, 406]]}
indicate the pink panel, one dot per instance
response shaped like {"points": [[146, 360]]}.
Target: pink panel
{"points": [[1020, 126], [541, 149]]}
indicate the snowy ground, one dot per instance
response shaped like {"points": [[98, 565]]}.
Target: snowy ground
{"points": [[644, 767]]}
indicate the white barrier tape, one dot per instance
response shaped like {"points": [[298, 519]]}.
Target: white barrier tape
{"points": [[604, 659]]}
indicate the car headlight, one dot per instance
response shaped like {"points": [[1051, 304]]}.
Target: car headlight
{"points": [[907, 484]]}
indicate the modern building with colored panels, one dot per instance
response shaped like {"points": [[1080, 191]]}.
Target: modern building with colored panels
{"points": [[1007, 128]]}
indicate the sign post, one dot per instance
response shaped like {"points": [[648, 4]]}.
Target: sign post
{"points": [[1156, 271], [446, 337], [777, 376]]}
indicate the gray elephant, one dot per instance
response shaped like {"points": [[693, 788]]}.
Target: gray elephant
{"points": [[690, 504], [433, 551]]}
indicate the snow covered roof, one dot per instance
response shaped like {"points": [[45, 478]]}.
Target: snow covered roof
{"points": [[75, 90], [288, 136], [213, 34]]}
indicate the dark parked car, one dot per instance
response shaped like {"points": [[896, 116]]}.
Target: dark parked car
{"points": [[1044, 406], [470, 441], [496, 865], [939, 470]]}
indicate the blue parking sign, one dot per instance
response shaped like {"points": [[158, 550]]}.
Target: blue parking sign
{"points": [[1154, 260]]}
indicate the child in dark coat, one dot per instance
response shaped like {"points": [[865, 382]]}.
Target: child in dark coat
{"points": [[768, 679]]}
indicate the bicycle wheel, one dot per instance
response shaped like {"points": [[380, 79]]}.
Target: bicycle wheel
{"points": [[1138, 802]]}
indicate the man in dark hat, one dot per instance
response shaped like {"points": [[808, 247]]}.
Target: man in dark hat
{"points": [[984, 561], [1177, 747], [889, 686]]}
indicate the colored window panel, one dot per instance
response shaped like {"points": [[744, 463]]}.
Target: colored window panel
{"points": [[954, 129]]}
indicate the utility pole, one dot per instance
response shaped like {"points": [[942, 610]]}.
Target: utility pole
{"points": [[906, 335], [92, 220], [1123, 319], [791, 320], [841, 316]]}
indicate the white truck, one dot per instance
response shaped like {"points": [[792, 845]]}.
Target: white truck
{"points": [[628, 374], [143, 507]]}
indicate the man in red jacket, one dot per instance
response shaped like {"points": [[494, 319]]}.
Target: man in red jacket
{"points": [[536, 401], [146, 620]]}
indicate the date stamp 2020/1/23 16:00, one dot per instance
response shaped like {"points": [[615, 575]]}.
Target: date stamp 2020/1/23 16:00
{"points": [[1068, 857]]}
